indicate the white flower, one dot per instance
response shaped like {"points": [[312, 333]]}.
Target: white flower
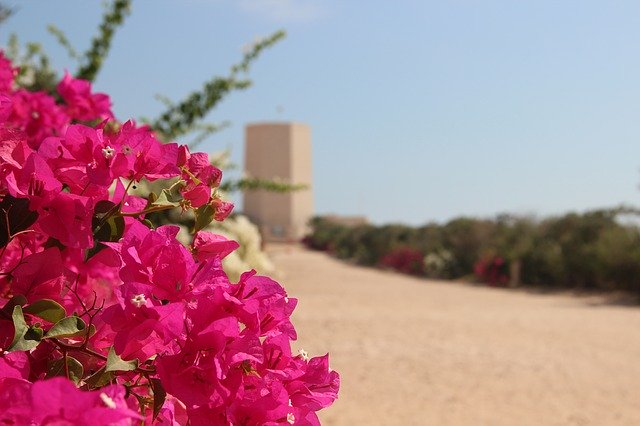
{"points": [[107, 400], [291, 419], [139, 300], [304, 354], [108, 152]]}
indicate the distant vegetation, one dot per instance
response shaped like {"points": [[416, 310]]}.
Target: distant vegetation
{"points": [[591, 251]]}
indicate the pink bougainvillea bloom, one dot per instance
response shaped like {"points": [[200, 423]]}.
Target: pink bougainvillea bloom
{"points": [[41, 276], [81, 103], [15, 365], [6, 104], [207, 245], [14, 401], [142, 328], [222, 209], [68, 219], [198, 196], [317, 388], [37, 114], [34, 181], [7, 73], [199, 167], [50, 404]]}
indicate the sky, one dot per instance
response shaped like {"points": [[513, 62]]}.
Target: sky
{"points": [[420, 110]]}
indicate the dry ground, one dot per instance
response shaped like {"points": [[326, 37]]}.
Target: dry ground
{"points": [[418, 352]]}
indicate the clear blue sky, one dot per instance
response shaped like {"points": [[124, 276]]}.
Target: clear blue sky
{"points": [[420, 110]]}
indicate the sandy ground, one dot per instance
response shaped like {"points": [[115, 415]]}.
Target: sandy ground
{"points": [[418, 352]]}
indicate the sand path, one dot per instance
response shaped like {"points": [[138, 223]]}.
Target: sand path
{"points": [[417, 352]]}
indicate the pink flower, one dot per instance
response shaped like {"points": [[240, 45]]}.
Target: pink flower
{"points": [[198, 196], [68, 219], [146, 156], [143, 328], [58, 401], [41, 276], [81, 103], [37, 114], [7, 73], [14, 365], [35, 181], [222, 209], [207, 245]]}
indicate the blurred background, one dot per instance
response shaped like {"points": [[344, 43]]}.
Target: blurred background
{"points": [[490, 143], [420, 110]]}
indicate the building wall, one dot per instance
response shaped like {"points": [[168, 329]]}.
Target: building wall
{"points": [[279, 151]]}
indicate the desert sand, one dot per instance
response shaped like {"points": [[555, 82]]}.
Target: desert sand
{"points": [[421, 352]]}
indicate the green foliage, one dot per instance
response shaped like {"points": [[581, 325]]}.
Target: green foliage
{"points": [[589, 251], [92, 60], [159, 396], [178, 120], [15, 217], [182, 117], [253, 184], [115, 363], [47, 309], [5, 12], [204, 216], [71, 326], [25, 337], [73, 368]]}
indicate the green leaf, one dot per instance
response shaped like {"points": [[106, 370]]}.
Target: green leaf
{"points": [[15, 217], [98, 379], [115, 363], [170, 196], [46, 309], [17, 300], [159, 395], [105, 224], [56, 368], [204, 216], [25, 337], [67, 327]]}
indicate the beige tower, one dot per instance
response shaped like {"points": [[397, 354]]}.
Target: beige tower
{"points": [[279, 151]]}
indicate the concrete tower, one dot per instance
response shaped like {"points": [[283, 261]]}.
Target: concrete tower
{"points": [[279, 151]]}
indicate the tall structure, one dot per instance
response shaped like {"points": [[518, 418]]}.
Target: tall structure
{"points": [[279, 151]]}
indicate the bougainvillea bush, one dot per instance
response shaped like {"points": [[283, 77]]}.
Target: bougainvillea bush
{"points": [[106, 319]]}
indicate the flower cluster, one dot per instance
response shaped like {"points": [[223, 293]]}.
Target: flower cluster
{"points": [[106, 319], [404, 259], [492, 270]]}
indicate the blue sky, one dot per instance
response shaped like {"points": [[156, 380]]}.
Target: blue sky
{"points": [[420, 110]]}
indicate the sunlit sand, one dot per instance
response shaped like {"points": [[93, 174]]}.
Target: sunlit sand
{"points": [[420, 352]]}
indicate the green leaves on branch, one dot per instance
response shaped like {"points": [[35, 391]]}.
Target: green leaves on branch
{"points": [[106, 224], [47, 309], [17, 300], [115, 363], [99, 379], [170, 197], [204, 216], [159, 395], [182, 117], [261, 184], [15, 217], [113, 18], [63, 40], [72, 326], [25, 337], [74, 368]]}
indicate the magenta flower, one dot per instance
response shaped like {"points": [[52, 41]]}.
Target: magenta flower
{"points": [[57, 401], [7, 74], [207, 245], [110, 304], [81, 103]]}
